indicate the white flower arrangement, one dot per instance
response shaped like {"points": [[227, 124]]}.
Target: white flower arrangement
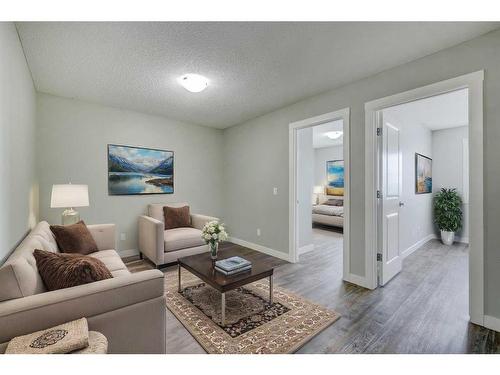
{"points": [[214, 232]]}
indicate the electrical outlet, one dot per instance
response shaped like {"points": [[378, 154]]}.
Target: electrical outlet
{"points": [[258, 232], [275, 191], [123, 236]]}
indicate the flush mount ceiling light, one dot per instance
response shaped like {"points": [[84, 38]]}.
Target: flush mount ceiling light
{"points": [[193, 82], [335, 134]]}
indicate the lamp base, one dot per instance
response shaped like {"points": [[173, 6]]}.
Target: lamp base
{"points": [[70, 216]]}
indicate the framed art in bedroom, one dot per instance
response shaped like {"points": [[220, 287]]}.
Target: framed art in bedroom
{"points": [[138, 170], [423, 174], [335, 177]]}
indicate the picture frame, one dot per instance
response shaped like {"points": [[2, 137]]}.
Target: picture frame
{"points": [[423, 174], [135, 170], [335, 177]]}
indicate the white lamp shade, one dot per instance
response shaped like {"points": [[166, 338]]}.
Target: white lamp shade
{"points": [[69, 196], [318, 190]]}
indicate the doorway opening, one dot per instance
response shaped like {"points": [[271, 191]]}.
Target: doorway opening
{"points": [[319, 189], [434, 158]]}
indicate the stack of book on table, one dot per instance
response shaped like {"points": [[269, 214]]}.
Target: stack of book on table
{"points": [[233, 265]]}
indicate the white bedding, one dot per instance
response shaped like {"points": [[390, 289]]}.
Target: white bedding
{"points": [[324, 209]]}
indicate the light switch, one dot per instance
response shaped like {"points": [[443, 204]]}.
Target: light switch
{"points": [[275, 191], [123, 236]]}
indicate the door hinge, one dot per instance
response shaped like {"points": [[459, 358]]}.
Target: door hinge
{"points": [[379, 131], [379, 194], [379, 257]]}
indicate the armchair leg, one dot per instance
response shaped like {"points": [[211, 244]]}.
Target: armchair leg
{"points": [[141, 256]]}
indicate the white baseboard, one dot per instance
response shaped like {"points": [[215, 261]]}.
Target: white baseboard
{"points": [[128, 253], [492, 323], [358, 280], [417, 244], [260, 248], [306, 249]]}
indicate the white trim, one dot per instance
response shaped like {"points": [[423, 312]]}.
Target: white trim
{"points": [[306, 249], [343, 114], [128, 253], [260, 248], [474, 82], [418, 244], [491, 322], [356, 279]]}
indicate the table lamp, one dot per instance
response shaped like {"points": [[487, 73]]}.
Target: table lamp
{"points": [[69, 196], [317, 191]]}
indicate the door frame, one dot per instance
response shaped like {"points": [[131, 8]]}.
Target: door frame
{"points": [[474, 82], [294, 127]]}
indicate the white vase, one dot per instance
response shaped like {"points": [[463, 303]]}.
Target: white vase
{"points": [[447, 237]]}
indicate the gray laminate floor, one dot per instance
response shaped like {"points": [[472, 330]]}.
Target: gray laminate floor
{"points": [[422, 310]]}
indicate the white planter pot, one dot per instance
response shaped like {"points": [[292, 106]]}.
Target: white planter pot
{"points": [[447, 237]]}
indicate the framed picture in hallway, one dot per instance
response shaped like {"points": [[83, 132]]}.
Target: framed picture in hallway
{"points": [[137, 170], [335, 177], [423, 174]]}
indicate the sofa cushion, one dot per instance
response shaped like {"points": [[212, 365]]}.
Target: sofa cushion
{"points": [[176, 217], [61, 271], [155, 210], [111, 260], [182, 238], [75, 238]]}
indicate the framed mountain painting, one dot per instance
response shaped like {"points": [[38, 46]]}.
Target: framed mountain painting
{"points": [[423, 174], [138, 170], [335, 177]]}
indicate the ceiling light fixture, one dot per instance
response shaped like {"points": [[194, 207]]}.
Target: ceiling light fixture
{"points": [[193, 82], [335, 134]]}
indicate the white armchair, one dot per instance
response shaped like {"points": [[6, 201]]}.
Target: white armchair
{"points": [[165, 246]]}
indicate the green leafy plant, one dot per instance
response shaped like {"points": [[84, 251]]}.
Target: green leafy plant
{"points": [[448, 210]]}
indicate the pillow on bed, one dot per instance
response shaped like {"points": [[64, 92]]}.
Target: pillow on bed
{"points": [[334, 202]]}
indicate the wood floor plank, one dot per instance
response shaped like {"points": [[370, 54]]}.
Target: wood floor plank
{"points": [[424, 309]]}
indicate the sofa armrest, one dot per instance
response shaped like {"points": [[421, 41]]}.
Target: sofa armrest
{"points": [[41, 311], [104, 235], [151, 238], [198, 221]]}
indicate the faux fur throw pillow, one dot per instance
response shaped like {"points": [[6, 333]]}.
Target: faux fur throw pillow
{"points": [[176, 217], [59, 271], [75, 238]]}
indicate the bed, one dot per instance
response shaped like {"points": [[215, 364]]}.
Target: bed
{"points": [[328, 214]]}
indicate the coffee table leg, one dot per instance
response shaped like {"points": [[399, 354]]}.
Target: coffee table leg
{"points": [[271, 289], [179, 277], [223, 308]]}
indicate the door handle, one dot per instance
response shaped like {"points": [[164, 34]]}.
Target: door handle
{"points": [[401, 204]]}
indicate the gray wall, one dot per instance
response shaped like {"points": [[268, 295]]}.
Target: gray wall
{"points": [[18, 188], [447, 166], [305, 181], [257, 153], [72, 140], [415, 223], [321, 156]]}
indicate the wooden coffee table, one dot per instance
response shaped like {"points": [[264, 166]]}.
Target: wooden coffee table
{"points": [[202, 266]]}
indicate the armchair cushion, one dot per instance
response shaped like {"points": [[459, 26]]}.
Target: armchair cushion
{"points": [[182, 238]]}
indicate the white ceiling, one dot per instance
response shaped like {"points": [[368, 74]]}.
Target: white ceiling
{"points": [[254, 68], [444, 111], [320, 139]]}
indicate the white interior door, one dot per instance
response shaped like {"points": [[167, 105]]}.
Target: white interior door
{"points": [[391, 187]]}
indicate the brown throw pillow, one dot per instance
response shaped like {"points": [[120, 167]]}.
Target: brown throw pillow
{"points": [[74, 238], [176, 217], [59, 271]]}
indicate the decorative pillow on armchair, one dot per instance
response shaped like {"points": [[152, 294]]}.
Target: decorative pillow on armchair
{"points": [[59, 271], [75, 238], [176, 217]]}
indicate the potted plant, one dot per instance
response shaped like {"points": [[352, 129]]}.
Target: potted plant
{"points": [[213, 232], [448, 214]]}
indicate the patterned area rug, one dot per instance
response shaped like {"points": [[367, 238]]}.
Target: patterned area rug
{"points": [[252, 324]]}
